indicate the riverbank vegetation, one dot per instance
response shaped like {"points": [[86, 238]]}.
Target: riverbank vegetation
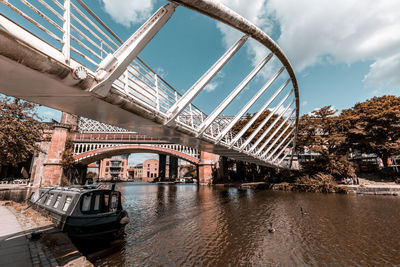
{"points": [[370, 127], [333, 138], [20, 133]]}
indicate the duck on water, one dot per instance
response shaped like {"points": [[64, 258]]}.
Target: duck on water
{"points": [[84, 212]]}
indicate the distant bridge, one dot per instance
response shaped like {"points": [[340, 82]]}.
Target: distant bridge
{"points": [[60, 54], [95, 141]]}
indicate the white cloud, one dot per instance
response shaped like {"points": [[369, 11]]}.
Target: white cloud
{"points": [[211, 86], [129, 12], [384, 72], [161, 72], [322, 31], [304, 103]]}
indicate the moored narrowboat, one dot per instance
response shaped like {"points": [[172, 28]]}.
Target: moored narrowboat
{"points": [[84, 212]]}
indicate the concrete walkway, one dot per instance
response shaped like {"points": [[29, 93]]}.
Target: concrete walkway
{"points": [[15, 251], [8, 223]]}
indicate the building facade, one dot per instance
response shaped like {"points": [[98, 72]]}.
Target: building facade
{"points": [[114, 168], [147, 171]]}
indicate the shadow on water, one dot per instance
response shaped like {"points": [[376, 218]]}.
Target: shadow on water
{"points": [[184, 225]]}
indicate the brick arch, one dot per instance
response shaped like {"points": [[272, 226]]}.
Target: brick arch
{"points": [[101, 153]]}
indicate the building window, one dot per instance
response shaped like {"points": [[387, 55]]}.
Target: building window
{"points": [[107, 169], [148, 165], [107, 163]]}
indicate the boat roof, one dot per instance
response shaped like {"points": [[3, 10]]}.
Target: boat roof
{"points": [[75, 189]]}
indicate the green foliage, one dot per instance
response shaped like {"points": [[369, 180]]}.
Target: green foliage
{"points": [[20, 131], [67, 157], [319, 182], [322, 132], [91, 175], [374, 126]]}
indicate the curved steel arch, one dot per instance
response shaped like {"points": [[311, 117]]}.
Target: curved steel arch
{"points": [[227, 16], [110, 93], [222, 13], [101, 153]]}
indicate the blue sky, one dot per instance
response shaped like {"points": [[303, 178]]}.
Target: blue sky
{"points": [[343, 51]]}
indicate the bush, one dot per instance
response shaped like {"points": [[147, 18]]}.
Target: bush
{"points": [[319, 182], [336, 166]]}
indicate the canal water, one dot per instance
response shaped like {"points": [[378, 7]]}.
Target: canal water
{"points": [[186, 225]]}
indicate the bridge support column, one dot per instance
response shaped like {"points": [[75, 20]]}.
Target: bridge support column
{"points": [[52, 167], [223, 168], [206, 167], [47, 169], [240, 170], [162, 161], [173, 167]]}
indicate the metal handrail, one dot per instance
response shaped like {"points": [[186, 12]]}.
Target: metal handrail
{"points": [[85, 38]]}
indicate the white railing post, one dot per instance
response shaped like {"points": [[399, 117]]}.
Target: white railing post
{"points": [[126, 82], [157, 92], [198, 86], [191, 115], [66, 48]]}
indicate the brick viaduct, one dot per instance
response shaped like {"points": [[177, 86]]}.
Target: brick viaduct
{"points": [[47, 167]]}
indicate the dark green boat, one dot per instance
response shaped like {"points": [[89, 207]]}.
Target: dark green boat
{"points": [[84, 212]]}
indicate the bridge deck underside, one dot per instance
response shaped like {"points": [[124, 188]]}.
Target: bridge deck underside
{"points": [[79, 65], [49, 90]]}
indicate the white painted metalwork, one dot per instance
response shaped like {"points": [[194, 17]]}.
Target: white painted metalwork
{"points": [[68, 32], [257, 115], [262, 124], [80, 148], [270, 127], [283, 149], [211, 118], [86, 125], [248, 106], [276, 139], [188, 97]]}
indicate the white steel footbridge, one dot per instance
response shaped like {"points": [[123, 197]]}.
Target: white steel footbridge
{"points": [[59, 53]]}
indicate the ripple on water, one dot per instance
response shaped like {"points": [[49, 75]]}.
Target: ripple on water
{"points": [[182, 225]]}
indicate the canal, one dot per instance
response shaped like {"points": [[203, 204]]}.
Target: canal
{"points": [[186, 225]]}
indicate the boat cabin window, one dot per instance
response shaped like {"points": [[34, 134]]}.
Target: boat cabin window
{"points": [[106, 201], [67, 203], [49, 199], [96, 202], [86, 202], [114, 202], [58, 199], [99, 202]]}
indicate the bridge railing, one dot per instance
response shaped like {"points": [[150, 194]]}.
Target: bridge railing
{"points": [[83, 38], [114, 137]]}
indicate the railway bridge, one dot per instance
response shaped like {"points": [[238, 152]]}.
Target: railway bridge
{"points": [[72, 61]]}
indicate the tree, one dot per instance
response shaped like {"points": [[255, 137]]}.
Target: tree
{"points": [[20, 131], [72, 173], [323, 132], [374, 126]]}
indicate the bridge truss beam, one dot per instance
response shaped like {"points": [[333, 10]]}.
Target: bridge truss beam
{"points": [[80, 66]]}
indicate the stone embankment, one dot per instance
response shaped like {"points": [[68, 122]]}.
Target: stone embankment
{"points": [[29, 239], [364, 187], [387, 189]]}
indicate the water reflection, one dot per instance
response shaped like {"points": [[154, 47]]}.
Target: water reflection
{"points": [[186, 225]]}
